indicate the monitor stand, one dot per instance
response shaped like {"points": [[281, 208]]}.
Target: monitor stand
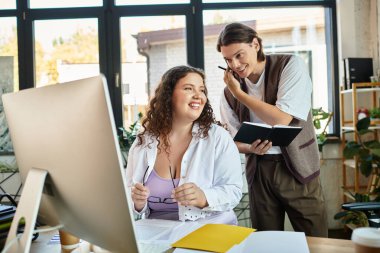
{"points": [[27, 209]]}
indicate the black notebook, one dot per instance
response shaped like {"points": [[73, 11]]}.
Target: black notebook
{"points": [[279, 135]]}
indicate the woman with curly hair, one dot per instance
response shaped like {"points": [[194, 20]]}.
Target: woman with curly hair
{"points": [[183, 165]]}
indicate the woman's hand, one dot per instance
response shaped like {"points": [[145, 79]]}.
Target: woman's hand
{"points": [[231, 82], [260, 147], [189, 194], [140, 196]]}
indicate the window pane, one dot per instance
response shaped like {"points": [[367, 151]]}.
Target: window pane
{"points": [[7, 5], [298, 31], [64, 4], [147, 2], [149, 47], [8, 83], [234, 1], [8, 55], [68, 53]]}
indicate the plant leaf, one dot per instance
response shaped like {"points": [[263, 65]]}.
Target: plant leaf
{"points": [[373, 144], [317, 123], [315, 111], [324, 115], [376, 151], [351, 149], [363, 153], [364, 131], [366, 166], [363, 123]]}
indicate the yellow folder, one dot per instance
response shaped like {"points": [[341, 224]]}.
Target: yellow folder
{"points": [[214, 237]]}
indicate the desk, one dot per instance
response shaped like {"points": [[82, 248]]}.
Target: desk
{"points": [[316, 245], [328, 245]]}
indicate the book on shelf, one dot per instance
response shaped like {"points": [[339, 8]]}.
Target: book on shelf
{"points": [[279, 135]]}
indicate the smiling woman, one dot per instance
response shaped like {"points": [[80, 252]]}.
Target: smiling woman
{"points": [[182, 165]]}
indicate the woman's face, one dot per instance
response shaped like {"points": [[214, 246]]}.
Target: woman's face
{"points": [[241, 57], [189, 98]]}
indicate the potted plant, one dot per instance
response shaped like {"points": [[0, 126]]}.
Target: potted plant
{"points": [[374, 113], [367, 152], [321, 120]]}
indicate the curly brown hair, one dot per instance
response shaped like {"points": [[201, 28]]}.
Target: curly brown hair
{"points": [[159, 117]]}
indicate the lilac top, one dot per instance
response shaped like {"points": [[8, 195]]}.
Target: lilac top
{"points": [[160, 203]]}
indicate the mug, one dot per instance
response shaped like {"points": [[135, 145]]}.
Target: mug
{"points": [[366, 240]]}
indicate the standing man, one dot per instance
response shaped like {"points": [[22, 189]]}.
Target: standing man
{"points": [[273, 89]]}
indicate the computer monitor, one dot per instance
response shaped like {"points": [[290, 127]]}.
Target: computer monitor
{"points": [[67, 134]]}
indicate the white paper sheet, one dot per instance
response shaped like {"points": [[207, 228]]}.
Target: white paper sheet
{"points": [[153, 230], [273, 241]]}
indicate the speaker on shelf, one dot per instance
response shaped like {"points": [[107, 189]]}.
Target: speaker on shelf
{"points": [[357, 70]]}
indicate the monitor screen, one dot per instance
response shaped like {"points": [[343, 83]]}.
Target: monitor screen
{"points": [[68, 130]]}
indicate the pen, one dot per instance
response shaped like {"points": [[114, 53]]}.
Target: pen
{"points": [[222, 68]]}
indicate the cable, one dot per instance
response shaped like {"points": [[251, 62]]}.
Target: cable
{"points": [[44, 230], [18, 236]]}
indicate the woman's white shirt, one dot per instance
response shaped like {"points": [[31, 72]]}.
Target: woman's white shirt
{"points": [[212, 163]]}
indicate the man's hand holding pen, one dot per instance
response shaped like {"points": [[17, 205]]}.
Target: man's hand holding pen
{"points": [[231, 82]]}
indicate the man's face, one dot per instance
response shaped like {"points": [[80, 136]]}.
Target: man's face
{"points": [[241, 57]]}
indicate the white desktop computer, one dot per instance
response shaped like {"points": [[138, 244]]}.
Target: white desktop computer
{"points": [[65, 142]]}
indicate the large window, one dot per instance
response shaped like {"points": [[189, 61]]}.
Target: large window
{"points": [[132, 42]]}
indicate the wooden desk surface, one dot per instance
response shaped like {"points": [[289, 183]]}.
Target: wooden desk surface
{"points": [[328, 245]]}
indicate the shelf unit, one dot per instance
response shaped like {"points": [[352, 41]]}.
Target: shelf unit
{"points": [[348, 124]]}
